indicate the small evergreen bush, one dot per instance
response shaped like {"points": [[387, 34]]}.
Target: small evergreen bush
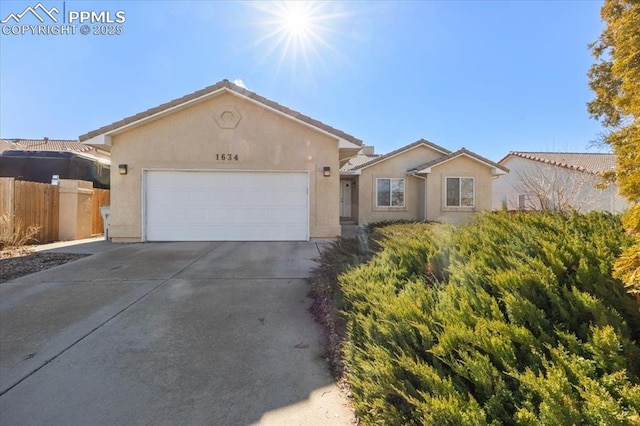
{"points": [[512, 319]]}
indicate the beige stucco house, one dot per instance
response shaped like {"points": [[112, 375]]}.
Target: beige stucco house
{"points": [[420, 181], [224, 163], [562, 181]]}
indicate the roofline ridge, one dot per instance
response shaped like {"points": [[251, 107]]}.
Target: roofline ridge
{"points": [[457, 153], [223, 84], [415, 144], [561, 152], [40, 139], [559, 163]]}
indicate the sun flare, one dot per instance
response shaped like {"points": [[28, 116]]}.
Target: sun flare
{"points": [[298, 33], [296, 20]]}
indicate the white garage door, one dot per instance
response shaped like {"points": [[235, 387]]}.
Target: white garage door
{"points": [[226, 206]]}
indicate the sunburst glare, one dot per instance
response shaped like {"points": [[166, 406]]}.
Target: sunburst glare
{"points": [[298, 33], [296, 20]]}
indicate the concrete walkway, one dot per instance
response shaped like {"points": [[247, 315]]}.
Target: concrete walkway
{"points": [[93, 245], [166, 334]]}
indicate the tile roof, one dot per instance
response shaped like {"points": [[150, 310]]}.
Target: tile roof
{"points": [[461, 151], [62, 145], [224, 84], [400, 150], [358, 160], [55, 145], [595, 163]]}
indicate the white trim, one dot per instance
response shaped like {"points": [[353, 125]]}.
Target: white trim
{"points": [[404, 193], [102, 140], [460, 206], [345, 144], [374, 162], [143, 204], [162, 169]]}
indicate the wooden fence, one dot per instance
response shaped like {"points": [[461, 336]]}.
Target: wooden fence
{"points": [[101, 197], [27, 204], [38, 204]]}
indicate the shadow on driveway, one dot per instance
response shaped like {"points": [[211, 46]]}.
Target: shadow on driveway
{"points": [[167, 333]]}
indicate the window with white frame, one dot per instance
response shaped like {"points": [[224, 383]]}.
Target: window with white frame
{"points": [[522, 201], [460, 192], [390, 192]]}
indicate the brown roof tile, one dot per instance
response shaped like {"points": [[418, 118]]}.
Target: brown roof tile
{"points": [[224, 84], [62, 145], [595, 163], [398, 151]]}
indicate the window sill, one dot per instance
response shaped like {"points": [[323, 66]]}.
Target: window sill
{"points": [[458, 209], [390, 209]]}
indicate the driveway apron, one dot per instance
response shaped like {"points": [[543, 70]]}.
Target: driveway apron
{"points": [[201, 333]]}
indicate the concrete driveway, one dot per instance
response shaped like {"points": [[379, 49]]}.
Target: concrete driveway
{"points": [[167, 334]]}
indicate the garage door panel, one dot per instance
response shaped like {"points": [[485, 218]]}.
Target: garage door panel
{"points": [[220, 205]]}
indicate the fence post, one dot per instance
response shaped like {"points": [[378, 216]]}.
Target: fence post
{"points": [[7, 204], [75, 209]]}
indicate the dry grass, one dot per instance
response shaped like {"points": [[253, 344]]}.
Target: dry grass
{"points": [[14, 235]]}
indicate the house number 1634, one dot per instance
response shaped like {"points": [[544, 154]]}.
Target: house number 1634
{"points": [[226, 157]]}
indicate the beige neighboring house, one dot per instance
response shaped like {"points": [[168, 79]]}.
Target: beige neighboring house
{"points": [[420, 181], [53, 145], [562, 181], [223, 163]]}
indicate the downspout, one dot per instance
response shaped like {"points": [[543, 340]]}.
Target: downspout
{"points": [[425, 192]]}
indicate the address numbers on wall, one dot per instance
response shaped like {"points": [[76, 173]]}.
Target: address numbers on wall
{"points": [[226, 157]]}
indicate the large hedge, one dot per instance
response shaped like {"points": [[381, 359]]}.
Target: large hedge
{"points": [[512, 319]]}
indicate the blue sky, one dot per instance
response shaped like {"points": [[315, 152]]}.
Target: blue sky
{"points": [[492, 76]]}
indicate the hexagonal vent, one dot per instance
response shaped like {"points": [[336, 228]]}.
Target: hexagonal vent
{"points": [[227, 116]]}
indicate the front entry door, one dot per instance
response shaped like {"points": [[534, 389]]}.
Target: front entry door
{"points": [[345, 198]]}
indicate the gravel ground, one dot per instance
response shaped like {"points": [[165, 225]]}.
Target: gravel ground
{"points": [[19, 262]]}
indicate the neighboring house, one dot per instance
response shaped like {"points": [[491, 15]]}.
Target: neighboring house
{"points": [[46, 144], [563, 181], [223, 163], [38, 160], [420, 181], [52, 145]]}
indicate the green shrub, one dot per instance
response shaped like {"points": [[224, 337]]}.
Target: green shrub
{"points": [[512, 319]]}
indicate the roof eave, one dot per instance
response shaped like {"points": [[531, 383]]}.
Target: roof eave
{"points": [[349, 172], [496, 169], [102, 141], [407, 148], [97, 140], [423, 171], [345, 144], [342, 143], [136, 123]]}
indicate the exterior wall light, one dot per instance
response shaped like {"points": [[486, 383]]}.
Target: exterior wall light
{"points": [[122, 168], [326, 171]]}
